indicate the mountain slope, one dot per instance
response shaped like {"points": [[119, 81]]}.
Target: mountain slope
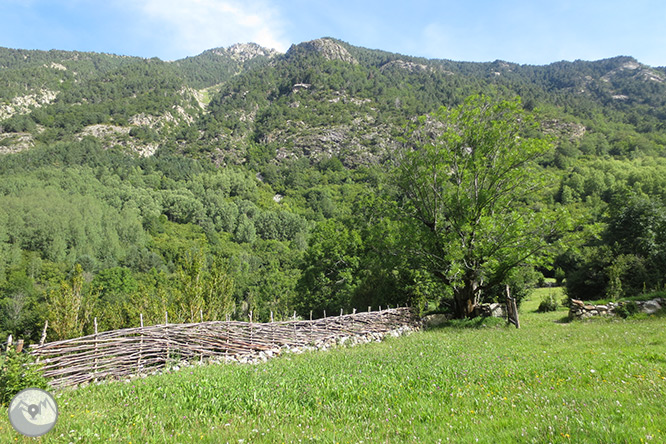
{"points": [[322, 98]]}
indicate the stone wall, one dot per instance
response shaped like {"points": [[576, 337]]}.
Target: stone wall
{"points": [[581, 310]]}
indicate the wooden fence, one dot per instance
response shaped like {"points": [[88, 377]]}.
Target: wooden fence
{"points": [[131, 351]]}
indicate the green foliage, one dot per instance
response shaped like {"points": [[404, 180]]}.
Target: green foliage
{"points": [[319, 133], [548, 303], [69, 307], [331, 277], [18, 371], [463, 176], [627, 309]]}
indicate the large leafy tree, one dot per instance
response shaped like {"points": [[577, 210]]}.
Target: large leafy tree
{"points": [[467, 188]]}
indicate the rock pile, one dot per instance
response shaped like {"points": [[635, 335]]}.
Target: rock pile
{"points": [[581, 310]]}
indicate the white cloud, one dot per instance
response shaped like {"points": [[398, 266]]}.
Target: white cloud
{"points": [[192, 26]]}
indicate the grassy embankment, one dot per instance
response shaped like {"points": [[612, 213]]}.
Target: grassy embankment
{"points": [[600, 381]]}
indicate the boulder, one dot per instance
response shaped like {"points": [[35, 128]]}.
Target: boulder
{"points": [[435, 320], [497, 310], [651, 307]]}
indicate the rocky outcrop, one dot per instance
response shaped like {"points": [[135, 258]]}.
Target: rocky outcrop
{"points": [[327, 48], [581, 310], [644, 73], [15, 142], [25, 104], [243, 52], [407, 66], [569, 130]]}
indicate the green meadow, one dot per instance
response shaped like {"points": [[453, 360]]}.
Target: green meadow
{"points": [[602, 381]]}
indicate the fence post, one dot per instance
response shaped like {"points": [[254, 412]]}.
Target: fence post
{"points": [[227, 318], [511, 309], [341, 311], [95, 340], [9, 341], [311, 324], [294, 327], [166, 334], [138, 364], [272, 331], [19, 346], [251, 335], [199, 334], [41, 341]]}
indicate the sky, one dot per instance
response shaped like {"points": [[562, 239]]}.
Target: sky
{"points": [[532, 32]]}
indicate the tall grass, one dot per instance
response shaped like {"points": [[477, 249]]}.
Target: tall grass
{"points": [[547, 382]]}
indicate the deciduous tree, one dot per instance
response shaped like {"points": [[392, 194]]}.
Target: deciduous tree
{"points": [[465, 178]]}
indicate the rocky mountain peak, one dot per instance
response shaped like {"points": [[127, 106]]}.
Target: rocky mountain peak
{"points": [[638, 70], [242, 52], [326, 47]]}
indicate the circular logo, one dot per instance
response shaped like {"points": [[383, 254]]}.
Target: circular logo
{"points": [[33, 412]]}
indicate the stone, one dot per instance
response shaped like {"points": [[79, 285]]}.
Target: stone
{"points": [[497, 310], [651, 307], [435, 320]]}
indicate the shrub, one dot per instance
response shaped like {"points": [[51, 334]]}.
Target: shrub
{"points": [[548, 303], [627, 309], [560, 275], [18, 371]]}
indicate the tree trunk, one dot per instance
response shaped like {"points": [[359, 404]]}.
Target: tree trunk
{"points": [[465, 299]]}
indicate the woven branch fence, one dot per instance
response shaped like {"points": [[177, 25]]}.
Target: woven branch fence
{"points": [[132, 351]]}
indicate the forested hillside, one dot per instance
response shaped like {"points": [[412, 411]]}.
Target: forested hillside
{"points": [[242, 179]]}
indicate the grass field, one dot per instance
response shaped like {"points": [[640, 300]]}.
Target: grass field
{"points": [[550, 381]]}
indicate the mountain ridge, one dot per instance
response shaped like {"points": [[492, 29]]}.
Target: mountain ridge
{"points": [[225, 97]]}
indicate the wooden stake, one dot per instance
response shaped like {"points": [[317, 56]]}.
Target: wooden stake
{"points": [[41, 341], [19, 346], [95, 367], [251, 329], [226, 351], [511, 309], [166, 334], [138, 364], [272, 330]]}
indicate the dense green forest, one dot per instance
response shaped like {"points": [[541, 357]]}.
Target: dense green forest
{"points": [[243, 180]]}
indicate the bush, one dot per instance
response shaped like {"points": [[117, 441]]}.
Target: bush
{"points": [[627, 309], [548, 303], [18, 371]]}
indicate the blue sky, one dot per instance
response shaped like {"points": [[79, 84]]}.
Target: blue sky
{"points": [[521, 31]]}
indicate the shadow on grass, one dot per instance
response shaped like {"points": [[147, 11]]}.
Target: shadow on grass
{"points": [[474, 323]]}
